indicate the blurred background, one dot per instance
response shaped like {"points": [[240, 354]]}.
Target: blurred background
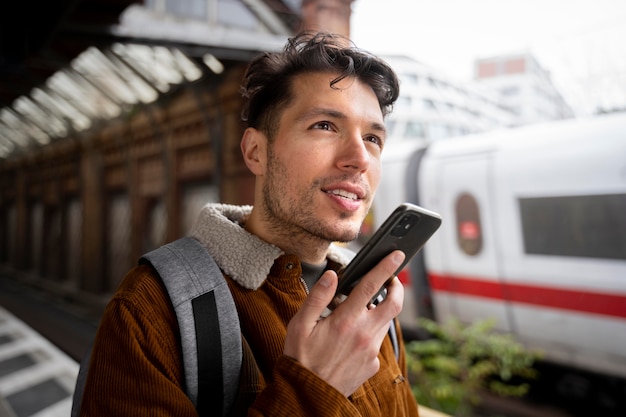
{"points": [[579, 43], [119, 120]]}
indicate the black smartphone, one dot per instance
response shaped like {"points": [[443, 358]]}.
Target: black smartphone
{"points": [[407, 228]]}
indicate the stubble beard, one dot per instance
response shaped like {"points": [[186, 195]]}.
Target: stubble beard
{"points": [[295, 218]]}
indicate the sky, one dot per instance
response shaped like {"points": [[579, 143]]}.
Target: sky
{"points": [[582, 43]]}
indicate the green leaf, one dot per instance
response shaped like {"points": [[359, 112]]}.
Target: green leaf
{"points": [[459, 361]]}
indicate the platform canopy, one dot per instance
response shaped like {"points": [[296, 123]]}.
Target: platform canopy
{"points": [[68, 65]]}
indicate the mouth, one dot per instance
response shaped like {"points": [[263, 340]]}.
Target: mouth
{"points": [[344, 194]]}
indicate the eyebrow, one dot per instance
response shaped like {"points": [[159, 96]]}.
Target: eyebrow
{"points": [[323, 111]]}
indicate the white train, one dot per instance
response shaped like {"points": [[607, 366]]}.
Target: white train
{"points": [[533, 234]]}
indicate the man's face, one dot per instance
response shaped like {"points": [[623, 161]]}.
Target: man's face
{"points": [[323, 165]]}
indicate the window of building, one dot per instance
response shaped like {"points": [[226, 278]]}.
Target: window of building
{"points": [[391, 124], [226, 12], [515, 66], [438, 131], [414, 130], [8, 231], [235, 13], [429, 104], [510, 91], [118, 239], [193, 9], [592, 226], [487, 69], [155, 224], [403, 102], [194, 197], [410, 79], [74, 216], [36, 236]]}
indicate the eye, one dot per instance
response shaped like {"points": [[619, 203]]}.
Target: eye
{"points": [[375, 140], [323, 126]]}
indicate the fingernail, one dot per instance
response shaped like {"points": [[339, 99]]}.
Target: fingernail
{"points": [[324, 281], [398, 257]]}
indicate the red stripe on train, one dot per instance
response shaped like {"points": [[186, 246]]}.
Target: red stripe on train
{"points": [[575, 300], [404, 277]]}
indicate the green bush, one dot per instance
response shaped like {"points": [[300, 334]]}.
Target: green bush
{"points": [[450, 369]]}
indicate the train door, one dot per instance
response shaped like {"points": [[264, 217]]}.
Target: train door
{"points": [[464, 272]]}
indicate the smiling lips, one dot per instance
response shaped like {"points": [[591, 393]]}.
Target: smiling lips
{"points": [[350, 201], [344, 194]]}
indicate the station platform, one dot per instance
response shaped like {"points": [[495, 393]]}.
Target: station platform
{"points": [[36, 378]]}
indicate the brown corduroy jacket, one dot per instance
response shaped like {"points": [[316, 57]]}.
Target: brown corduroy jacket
{"points": [[137, 368]]}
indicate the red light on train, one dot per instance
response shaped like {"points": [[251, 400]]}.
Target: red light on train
{"points": [[469, 230]]}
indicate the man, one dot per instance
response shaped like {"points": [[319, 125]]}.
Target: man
{"points": [[316, 132]]}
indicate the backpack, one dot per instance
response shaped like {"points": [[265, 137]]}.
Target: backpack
{"points": [[197, 288]]}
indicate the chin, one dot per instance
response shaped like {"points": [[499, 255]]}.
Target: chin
{"points": [[345, 230], [346, 236]]}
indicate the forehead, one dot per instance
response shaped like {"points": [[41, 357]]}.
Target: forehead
{"points": [[323, 82], [350, 93]]}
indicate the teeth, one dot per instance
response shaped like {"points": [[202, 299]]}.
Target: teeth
{"points": [[344, 194]]}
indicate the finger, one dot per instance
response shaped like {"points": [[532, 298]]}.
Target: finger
{"points": [[319, 297], [391, 306], [372, 282], [380, 318]]}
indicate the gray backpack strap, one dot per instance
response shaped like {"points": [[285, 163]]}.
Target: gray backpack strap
{"points": [[209, 326], [206, 314]]}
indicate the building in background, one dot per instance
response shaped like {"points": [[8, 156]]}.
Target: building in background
{"points": [[508, 91], [432, 106], [524, 87]]}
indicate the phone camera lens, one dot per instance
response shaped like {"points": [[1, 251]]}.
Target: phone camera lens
{"points": [[404, 225]]}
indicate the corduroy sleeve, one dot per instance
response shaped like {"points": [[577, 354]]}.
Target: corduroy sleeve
{"points": [[297, 391], [135, 367]]}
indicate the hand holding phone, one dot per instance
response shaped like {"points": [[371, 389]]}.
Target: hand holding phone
{"points": [[407, 229]]}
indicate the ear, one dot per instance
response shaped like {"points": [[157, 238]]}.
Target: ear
{"points": [[254, 150]]}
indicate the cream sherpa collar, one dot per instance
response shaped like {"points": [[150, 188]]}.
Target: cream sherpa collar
{"points": [[240, 254]]}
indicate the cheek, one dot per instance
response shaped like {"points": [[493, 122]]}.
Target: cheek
{"points": [[290, 169], [374, 173], [307, 162]]}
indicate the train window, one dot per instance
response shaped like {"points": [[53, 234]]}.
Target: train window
{"points": [[592, 226], [468, 227]]}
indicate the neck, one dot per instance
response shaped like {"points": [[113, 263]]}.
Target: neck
{"points": [[308, 248]]}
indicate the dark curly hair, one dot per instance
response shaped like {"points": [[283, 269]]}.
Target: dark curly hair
{"points": [[266, 85]]}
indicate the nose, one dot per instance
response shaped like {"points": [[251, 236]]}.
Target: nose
{"points": [[354, 155]]}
